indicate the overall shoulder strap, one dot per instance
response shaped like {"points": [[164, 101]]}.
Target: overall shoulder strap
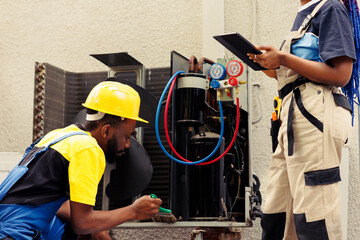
{"points": [[54, 142], [66, 136], [306, 23], [19, 171]]}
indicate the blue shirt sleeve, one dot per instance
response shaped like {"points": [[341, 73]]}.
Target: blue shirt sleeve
{"points": [[336, 34]]}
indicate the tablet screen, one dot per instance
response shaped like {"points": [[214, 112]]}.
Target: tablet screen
{"points": [[239, 46]]}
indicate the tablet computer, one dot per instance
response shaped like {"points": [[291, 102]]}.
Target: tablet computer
{"points": [[240, 46]]}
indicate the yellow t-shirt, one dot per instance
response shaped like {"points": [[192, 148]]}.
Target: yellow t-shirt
{"points": [[86, 162], [71, 168]]}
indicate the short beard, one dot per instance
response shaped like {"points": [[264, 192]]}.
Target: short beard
{"points": [[111, 153]]}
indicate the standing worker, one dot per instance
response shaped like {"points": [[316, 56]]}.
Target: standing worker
{"points": [[67, 164], [302, 198]]}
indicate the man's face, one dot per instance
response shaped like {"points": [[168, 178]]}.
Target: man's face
{"points": [[120, 140]]}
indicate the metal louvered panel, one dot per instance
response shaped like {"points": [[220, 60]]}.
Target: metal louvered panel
{"points": [[58, 96], [49, 99], [156, 80], [78, 87]]}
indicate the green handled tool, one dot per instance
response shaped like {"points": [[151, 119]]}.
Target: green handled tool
{"points": [[161, 209], [164, 214]]}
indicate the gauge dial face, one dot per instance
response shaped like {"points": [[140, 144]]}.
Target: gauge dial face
{"points": [[217, 71], [234, 68]]}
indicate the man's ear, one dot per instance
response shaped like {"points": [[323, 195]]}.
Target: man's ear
{"points": [[106, 131]]}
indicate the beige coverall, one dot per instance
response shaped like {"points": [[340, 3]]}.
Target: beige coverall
{"points": [[302, 191]]}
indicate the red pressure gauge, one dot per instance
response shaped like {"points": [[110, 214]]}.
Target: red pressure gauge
{"points": [[234, 68]]}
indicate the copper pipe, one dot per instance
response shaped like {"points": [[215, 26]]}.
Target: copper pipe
{"points": [[38, 136], [39, 117], [40, 87], [204, 60], [40, 77], [193, 64], [39, 107], [39, 67], [40, 97], [39, 128]]}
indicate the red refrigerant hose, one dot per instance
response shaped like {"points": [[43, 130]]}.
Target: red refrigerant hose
{"points": [[167, 132]]}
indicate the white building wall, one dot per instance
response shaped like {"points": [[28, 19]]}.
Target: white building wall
{"points": [[8, 160], [64, 33]]}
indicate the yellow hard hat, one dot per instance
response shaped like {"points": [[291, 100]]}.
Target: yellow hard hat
{"points": [[116, 99]]}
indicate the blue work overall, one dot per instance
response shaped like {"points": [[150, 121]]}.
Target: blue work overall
{"points": [[26, 222]]}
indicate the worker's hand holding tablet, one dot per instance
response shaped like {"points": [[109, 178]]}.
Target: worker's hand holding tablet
{"points": [[244, 50]]}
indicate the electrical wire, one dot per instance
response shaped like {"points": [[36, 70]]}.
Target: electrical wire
{"points": [[172, 82], [210, 107], [236, 198], [258, 99], [239, 181]]}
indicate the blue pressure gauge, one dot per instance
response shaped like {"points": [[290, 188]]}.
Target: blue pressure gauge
{"points": [[217, 71]]}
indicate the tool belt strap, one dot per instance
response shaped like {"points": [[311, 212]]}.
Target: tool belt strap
{"points": [[293, 87]]}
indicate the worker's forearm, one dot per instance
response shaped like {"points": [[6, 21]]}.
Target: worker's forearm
{"points": [[318, 71], [64, 212], [270, 73], [101, 220], [85, 220]]}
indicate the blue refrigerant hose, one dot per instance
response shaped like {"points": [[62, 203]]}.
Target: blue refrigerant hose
{"points": [[157, 127]]}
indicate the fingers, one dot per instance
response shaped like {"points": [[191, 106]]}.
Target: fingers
{"points": [[146, 207], [155, 209], [264, 48], [251, 56], [153, 204], [259, 57], [255, 57], [157, 200]]}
